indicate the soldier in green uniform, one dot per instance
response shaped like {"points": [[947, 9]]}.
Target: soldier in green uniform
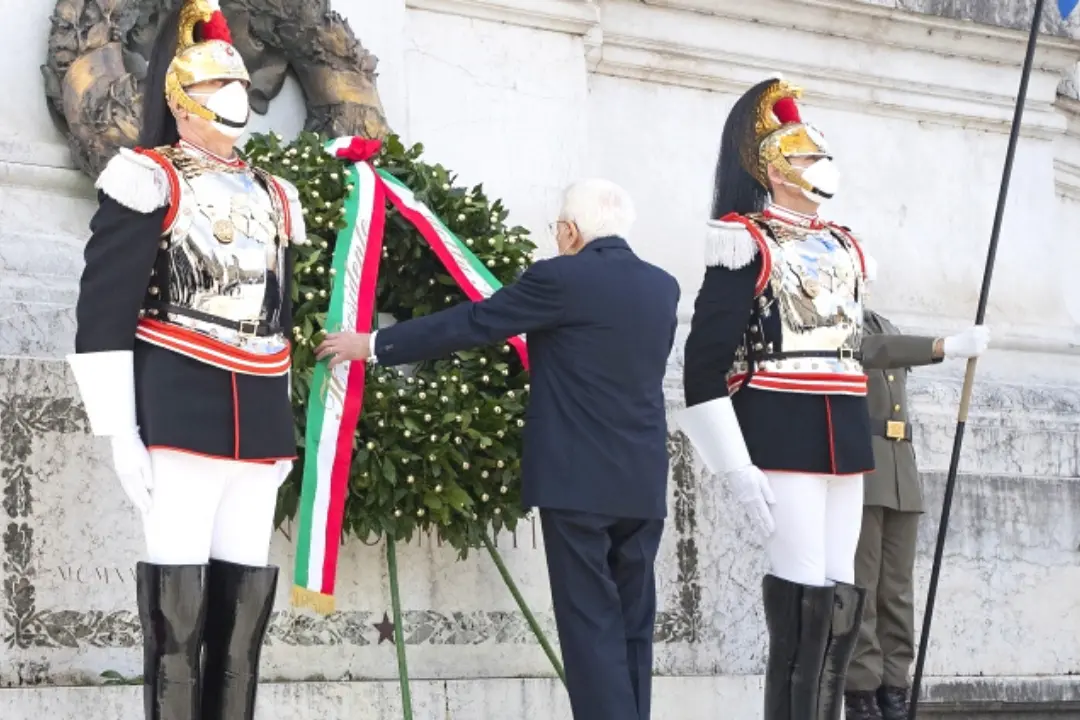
{"points": [[877, 679]]}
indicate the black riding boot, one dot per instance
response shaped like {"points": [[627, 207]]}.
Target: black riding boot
{"points": [[172, 609], [240, 601], [798, 619], [846, 616]]}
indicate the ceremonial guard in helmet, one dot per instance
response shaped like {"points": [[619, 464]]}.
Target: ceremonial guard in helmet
{"points": [[182, 360], [775, 392]]}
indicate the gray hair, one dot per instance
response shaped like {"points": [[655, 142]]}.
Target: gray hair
{"points": [[599, 208]]}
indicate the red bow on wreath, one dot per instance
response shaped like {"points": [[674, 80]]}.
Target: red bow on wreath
{"points": [[359, 149]]}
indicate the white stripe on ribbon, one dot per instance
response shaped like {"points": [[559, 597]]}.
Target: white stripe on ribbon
{"points": [[408, 199], [333, 403], [406, 196]]}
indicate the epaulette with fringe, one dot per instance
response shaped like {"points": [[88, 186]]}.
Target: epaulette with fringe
{"points": [[136, 181], [729, 244]]}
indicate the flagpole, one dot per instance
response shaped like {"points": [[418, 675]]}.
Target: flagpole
{"points": [[969, 376]]}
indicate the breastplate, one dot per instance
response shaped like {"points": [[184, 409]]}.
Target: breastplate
{"points": [[812, 302], [225, 254]]}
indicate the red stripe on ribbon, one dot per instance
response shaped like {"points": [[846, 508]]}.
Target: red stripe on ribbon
{"points": [[354, 395], [435, 243]]}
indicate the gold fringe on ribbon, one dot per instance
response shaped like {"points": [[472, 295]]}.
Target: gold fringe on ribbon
{"points": [[317, 601]]}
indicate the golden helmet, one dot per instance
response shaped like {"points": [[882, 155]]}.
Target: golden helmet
{"points": [[780, 134], [212, 57]]}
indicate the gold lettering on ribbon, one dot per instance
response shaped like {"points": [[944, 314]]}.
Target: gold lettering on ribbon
{"points": [[354, 272]]}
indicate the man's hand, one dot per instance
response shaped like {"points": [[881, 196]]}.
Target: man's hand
{"points": [[344, 347], [968, 344]]}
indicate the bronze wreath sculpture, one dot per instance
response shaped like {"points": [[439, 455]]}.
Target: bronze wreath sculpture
{"points": [[97, 60]]}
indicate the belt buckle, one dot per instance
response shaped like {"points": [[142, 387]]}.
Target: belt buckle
{"points": [[244, 331], [896, 429], [846, 353]]}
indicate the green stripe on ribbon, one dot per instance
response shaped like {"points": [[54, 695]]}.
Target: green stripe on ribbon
{"points": [[316, 400]]}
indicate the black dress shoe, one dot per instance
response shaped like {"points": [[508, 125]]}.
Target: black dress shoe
{"points": [[893, 702], [861, 706]]}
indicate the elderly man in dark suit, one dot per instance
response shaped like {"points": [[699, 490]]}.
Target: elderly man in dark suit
{"points": [[600, 324]]}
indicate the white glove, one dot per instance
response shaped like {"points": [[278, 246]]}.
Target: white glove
{"points": [[751, 488], [107, 385], [714, 430], [131, 460], [970, 343]]}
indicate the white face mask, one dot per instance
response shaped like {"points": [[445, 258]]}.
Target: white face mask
{"points": [[823, 175], [229, 102]]}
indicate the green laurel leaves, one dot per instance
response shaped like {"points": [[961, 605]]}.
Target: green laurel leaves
{"points": [[438, 448]]}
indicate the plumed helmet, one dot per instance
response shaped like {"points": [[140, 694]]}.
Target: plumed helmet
{"points": [[204, 52], [765, 127]]}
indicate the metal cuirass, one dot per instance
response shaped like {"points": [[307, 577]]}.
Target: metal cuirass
{"points": [[811, 304], [224, 256]]}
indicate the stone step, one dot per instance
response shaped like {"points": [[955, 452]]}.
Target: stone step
{"points": [[684, 698]]}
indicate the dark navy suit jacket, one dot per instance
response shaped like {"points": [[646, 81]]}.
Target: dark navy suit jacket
{"points": [[600, 327]]}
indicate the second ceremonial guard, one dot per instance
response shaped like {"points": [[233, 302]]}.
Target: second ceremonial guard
{"points": [[775, 391]]}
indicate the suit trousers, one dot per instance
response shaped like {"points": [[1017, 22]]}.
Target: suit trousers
{"points": [[885, 565], [204, 507], [603, 587]]}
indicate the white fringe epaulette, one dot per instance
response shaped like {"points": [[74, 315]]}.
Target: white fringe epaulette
{"points": [[729, 244], [135, 181], [296, 212]]}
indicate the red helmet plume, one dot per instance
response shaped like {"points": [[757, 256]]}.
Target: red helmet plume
{"points": [[787, 111], [216, 28]]}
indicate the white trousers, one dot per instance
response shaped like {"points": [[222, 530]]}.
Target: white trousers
{"points": [[206, 508], [818, 519]]}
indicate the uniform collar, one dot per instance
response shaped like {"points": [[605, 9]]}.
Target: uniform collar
{"points": [[193, 149], [609, 242], [791, 217]]}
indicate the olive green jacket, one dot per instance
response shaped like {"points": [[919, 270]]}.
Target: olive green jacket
{"points": [[887, 357]]}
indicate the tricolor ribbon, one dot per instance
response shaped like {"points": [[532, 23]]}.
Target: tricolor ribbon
{"points": [[337, 395]]}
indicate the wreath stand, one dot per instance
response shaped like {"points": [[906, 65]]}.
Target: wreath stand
{"points": [[333, 409], [399, 635]]}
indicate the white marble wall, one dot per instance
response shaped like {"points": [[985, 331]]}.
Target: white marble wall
{"points": [[525, 96]]}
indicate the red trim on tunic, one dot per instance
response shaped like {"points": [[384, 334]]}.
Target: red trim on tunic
{"points": [[236, 417], [254, 461], [763, 248], [213, 352], [174, 186], [805, 383], [762, 468], [829, 428]]}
